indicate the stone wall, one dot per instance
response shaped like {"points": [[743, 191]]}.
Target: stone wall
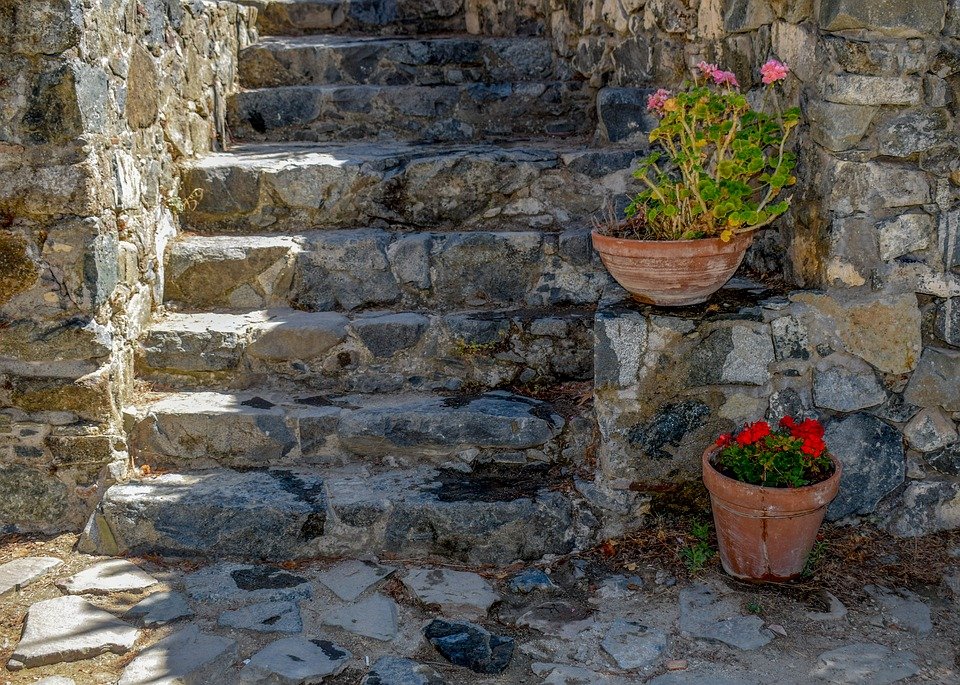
{"points": [[100, 102], [873, 344]]}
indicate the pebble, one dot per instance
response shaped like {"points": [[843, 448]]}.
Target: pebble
{"points": [[676, 664], [531, 580]]}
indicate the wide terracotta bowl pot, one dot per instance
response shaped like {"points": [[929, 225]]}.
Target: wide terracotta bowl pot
{"points": [[672, 273], [766, 533]]}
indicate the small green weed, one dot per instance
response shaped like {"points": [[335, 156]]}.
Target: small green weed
{"points": [[817, 555], [697, 555]]}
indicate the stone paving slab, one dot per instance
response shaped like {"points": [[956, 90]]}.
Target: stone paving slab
{"points": [[188, 657], [374, 617], [349, 579], [265, 617], [160, 608], [706, 612], [390, 670], [19, 573], [864, 664], [456, 592], [105, 577], [245, 583], [295, 660], [69, 629]]}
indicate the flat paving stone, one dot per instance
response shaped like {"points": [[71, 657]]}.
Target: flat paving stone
{"points": [[265, 617], [227, 582], [349, 579], [19, 573], [864, 664], [902, 609], [559, 618], [55, 680], [458, 593], [466, 644], [701, 676], [106, 577], [706, 612], [160, 608], [565, 674], [295, 660], [374, 617], [69, 629], [188, 657], [392, 670], [633, 645]]}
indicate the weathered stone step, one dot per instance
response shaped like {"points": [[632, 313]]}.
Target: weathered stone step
{"points": [[371, 352], [325, 59], [394, 17], [443, 113], [293, 187], [192, 430], [495, 515], [368, 268]]}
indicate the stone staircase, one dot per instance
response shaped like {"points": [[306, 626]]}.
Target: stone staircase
{"points": [[382, 281]]}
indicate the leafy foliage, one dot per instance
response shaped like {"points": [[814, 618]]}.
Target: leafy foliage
{"points": [[791, 457], [719, 166]]}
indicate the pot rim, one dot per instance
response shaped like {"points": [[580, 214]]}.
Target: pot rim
{"points": [[713, 449], [597, 234]]}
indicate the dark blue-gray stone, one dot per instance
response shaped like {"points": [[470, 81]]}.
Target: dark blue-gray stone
{"points": [[531, 580], [469, 645], [873, 460]]}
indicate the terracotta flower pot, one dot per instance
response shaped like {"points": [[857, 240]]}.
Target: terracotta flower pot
{"points": [[672, 273], [766, 533]]}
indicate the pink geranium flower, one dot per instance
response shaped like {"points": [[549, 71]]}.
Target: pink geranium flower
{"points": [[774, 71], [725, 78], [656, 101], [707, 69]]}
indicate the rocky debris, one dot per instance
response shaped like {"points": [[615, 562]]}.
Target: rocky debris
{"points": [[931, 430], [294, 661], [160, 608], [457, 593], [19, 573], [391, 670], [374, 617], [558, 618], [265, 617], [902, 608], [246, 584], [835, 609], [69, 629], [531, 580], [349, 579], [264, 514], [873, 460], [633, 645], [617, 587], [709, 613], [864, 663], [469, 645], [189, 656], [105, 577], [925, 507]]}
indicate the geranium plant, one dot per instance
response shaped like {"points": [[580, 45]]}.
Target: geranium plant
{"points": [[718, 165], [789, 457]]}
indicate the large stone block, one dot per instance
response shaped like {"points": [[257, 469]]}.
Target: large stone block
{"points": [[30, 496], [868, 186], [928, 506], [839, 127], [905, 234], [871, 453], [934, 383], [902, 19], [18, 269], [856, 89], [915, 131], [622, 115]]}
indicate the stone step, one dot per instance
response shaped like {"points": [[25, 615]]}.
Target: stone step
{"points": [[293, 187], [394, 17], [261, 429], [492, 516], [373, 268], [353, 60], [442, 113], [372, 352]]}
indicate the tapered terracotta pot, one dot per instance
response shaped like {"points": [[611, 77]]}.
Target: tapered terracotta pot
{"points": [[766, 533], [672, 273]]}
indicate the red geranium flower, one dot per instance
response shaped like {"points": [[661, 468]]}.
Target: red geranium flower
{"points": [[753, 432], [724, 440]]}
